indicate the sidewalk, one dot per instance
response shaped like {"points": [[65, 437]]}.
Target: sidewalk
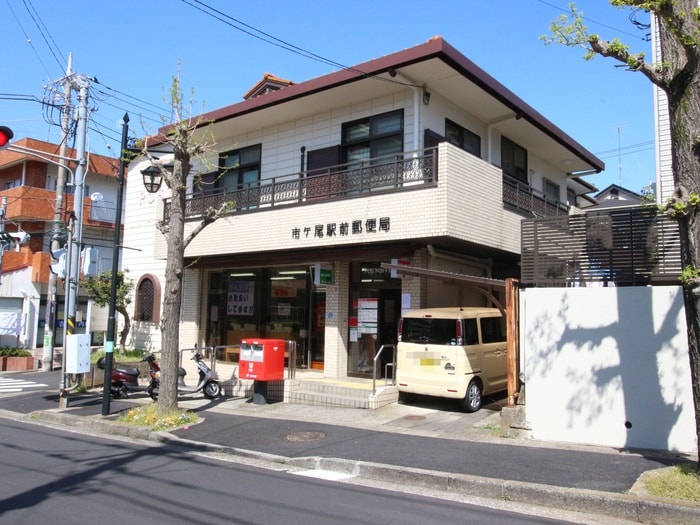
{"points": [[418, 445]]}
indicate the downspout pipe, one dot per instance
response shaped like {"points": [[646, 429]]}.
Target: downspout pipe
{"points": [[418, 92]]}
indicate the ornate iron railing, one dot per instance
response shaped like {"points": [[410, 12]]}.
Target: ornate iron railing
{"points": [[524, 198], [382, 174]]}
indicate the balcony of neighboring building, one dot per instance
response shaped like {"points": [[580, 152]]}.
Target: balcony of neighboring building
{"points": [[27, 203]]}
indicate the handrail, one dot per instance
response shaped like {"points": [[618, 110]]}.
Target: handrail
{"points": [[374, 366], [292, 359], [204, 350]]}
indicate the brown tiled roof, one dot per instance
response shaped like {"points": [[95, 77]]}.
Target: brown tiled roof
{"points": [[97, 163], [435, 48], [268, 79]]}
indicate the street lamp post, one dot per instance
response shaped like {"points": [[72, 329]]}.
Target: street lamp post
{"points": [[111, 336]]}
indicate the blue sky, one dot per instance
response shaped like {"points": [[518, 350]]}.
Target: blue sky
{"points": [[133, 49]]}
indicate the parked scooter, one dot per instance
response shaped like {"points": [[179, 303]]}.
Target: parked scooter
{"points": [[208, 383], [125, 381]]}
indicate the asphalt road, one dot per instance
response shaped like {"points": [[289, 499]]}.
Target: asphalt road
{"points": [[59, 477], [561, 467]]}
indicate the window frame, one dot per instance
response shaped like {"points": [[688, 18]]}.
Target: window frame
{"points": [[373, 137], [466, 139], [510, 151], [140, 302], [240, 170], [547, 186]]}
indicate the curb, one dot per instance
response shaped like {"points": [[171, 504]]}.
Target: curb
{"points": [[629, 507]]}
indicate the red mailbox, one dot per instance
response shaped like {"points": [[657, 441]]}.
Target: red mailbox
{"points": [[262, 359]]}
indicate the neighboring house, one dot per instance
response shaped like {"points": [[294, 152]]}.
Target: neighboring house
{"points": [[418, 156], [615, 196], [28, 184]]}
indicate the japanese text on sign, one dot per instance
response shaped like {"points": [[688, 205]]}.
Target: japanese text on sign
{"points": [[343, 229], [241, 298]]}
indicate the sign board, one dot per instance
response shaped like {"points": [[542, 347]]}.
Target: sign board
{"points": [[322, 274]]}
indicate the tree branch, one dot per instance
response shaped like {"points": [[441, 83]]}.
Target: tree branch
{"points": [[210, 215], [634, 62]]}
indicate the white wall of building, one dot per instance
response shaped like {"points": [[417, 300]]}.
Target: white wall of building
{"points": [[608, 366]]}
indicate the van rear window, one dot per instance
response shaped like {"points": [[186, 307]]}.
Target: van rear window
{"points": [[429, 331]]}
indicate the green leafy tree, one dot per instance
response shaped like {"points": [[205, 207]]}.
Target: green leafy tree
{"points": [[100, 291], [678, 75]]}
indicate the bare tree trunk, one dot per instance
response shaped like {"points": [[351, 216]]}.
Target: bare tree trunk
{"points": [[170, 320], [125, 331]]}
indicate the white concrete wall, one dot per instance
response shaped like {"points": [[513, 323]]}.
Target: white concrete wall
{"points": [[608, 366]]}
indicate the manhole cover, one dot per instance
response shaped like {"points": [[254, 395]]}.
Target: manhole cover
{"points": [[414, 418], [303, 437]]}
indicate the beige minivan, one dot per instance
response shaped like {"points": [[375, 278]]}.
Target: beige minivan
{"points": [[451, 352]]}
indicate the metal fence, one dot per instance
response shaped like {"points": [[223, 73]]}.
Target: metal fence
{"points": [[625, 247]]}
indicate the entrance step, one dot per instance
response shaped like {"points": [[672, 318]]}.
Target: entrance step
{"points": [[338, 393]]}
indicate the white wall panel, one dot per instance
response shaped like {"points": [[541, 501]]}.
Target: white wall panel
{"points": [[608, 366]]}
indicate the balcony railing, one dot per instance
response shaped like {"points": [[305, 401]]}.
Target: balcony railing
{"points": [[103, 211], [525, 198], [381, 174]]}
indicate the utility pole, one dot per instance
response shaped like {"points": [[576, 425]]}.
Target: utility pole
{"points": [[47, 356], [76, 233], [3, 208]]}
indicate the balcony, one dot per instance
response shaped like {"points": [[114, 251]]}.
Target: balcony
{"points": [[27, 203], [395, 173], [524, 198]]}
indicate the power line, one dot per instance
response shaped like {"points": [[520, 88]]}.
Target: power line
{"points": [[160, 109], [27, 39], [19, 96], [108, 95], [641, 146], [41, 27], [270, 39], [568, 11]]}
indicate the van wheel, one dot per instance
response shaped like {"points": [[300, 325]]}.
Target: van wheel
{"points": [[408, 397], [472, 400]]}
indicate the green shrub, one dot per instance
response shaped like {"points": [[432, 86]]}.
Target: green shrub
{"points": [[9, 351], [129, 355]]}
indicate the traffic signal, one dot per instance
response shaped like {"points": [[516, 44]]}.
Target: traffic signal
{"points": [[6, 135]]}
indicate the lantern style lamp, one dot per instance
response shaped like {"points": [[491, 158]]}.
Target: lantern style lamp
{"points": [[152, 178]]}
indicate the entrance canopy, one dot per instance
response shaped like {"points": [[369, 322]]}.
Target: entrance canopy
{"points": [[483, 285]]}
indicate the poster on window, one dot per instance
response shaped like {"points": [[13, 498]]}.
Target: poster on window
{"points": [[241, 298], [367, 315]]}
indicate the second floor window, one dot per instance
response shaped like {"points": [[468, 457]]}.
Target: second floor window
{"points": [[373, 136], [239, 167], [513, 160], [463, 138], [551, 191]]}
